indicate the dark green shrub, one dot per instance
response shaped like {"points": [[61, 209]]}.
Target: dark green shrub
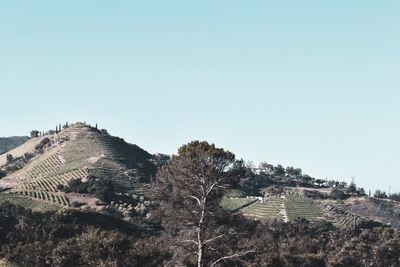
{"points": [[9, 158]]}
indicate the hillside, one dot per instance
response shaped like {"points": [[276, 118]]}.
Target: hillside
{"points": [[355, 212], [86, 168], [88, 198], [65, 164], [27, 147], [9, 143]]}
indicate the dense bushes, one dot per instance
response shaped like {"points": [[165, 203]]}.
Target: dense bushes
{"points": [[28, 156], [380, 194], [265, 175], [101, 188], [9, 158], [395, 197], [14, 164], [338, 194], [321, 244], [75, 238], [44, 143]]}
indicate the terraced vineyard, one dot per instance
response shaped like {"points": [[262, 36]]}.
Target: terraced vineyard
{"points": [[114, 147], [105, 168], [60, 199], [76, 153], [57, 167], [51, 183], [234, 204], [269, 209], [117, 149], [45, 165], [110, 158], [341, 217], [29, 203], [140, 189], [301, 207], [41, 178], [79, 152]]}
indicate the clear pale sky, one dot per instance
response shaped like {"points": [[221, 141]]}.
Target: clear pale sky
{"points": [[310, 84]]}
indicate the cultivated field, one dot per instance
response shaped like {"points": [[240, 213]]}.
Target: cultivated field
{"points": [[286, 208], [301, 207], [270, 208], [235, 204], [77, 153], [27, 203]]}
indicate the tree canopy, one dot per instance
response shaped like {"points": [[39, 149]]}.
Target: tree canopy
{"points": [[189, 188]]}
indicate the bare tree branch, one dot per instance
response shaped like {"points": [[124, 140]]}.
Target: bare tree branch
{"points": [[189, 241], [214, 238], [237, 255], [197, 199]]}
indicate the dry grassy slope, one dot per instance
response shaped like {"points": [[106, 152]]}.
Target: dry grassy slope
{"points": [[28, 146], [76, 153], [385, 211]]}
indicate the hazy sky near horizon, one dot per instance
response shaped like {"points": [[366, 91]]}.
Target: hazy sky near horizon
{"points": [[310, 84]]}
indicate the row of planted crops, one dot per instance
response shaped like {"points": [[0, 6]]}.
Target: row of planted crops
{"points": [[287, 207], [47, 196], [301, 207], [43, 177], [341, 217]]}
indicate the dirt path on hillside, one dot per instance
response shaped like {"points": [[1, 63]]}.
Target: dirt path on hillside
{"points": [[283, 211]]}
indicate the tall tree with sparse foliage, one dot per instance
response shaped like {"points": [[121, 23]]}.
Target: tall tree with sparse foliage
{"points": [[189, 188]]}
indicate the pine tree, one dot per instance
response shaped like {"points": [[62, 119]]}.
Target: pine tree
{"points": [[189, 198]]}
